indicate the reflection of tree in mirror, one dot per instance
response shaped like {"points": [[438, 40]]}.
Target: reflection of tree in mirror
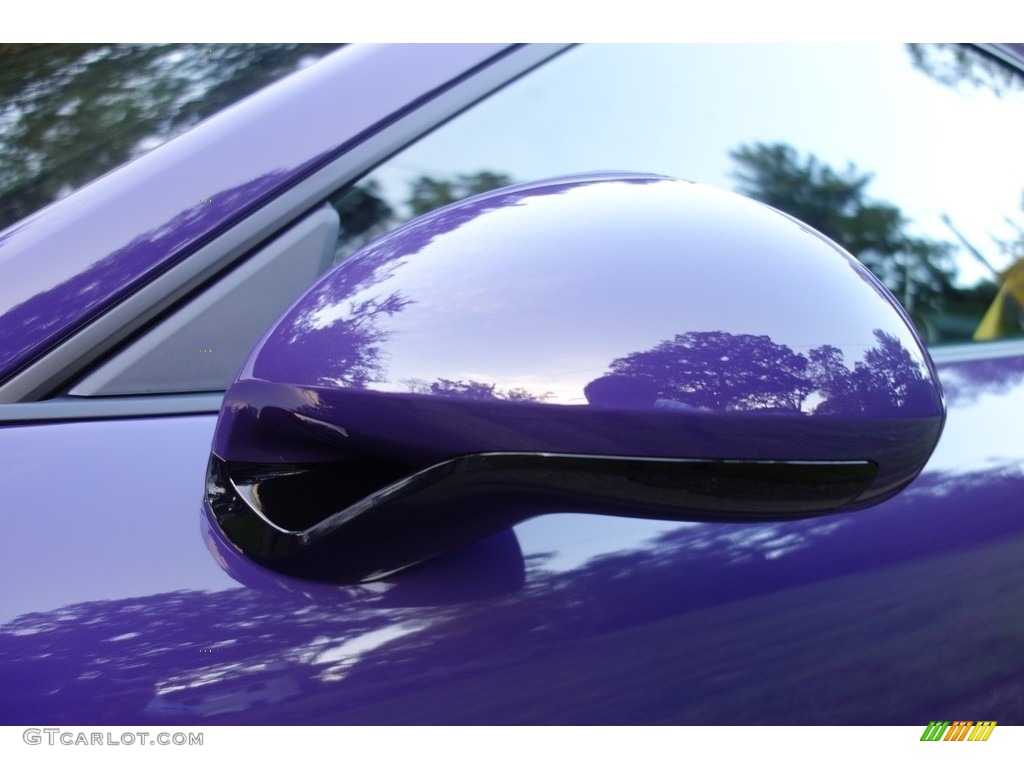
{"points": [[473, 390], [918, 271], [347, 300], [355, 355], [72, 112], [886, 380], [720, 371]]}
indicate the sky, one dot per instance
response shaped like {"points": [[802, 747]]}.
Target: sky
{"points": [[680, 110]]}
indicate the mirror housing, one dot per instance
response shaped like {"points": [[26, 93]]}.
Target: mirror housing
{"points": [[617, 343]]}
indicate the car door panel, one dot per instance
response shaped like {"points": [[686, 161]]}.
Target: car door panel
{"points": [[907, 611], [122, 603]]}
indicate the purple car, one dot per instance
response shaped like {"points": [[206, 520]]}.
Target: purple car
{"points": [[487, 384]]}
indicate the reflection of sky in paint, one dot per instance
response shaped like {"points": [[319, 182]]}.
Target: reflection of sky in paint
{"points": [[570, 540], [343, 655], [981, 433], [679, 110]]}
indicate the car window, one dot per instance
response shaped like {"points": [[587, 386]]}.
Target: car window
{"points": [[908, 156], [70, 113], [905, 155]]}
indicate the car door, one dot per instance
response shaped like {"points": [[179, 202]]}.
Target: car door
{"points": [[118, 610]]}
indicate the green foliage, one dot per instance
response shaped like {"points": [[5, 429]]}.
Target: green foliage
{"points": [[70, 113], [918, 271], [960, 66], [956, 65], [427, 193]]}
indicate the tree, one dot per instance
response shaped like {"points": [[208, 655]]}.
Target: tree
{"points": [[918, 271], [427, 193], [721, 371], [827, 370], [887, 380], [473, 390], [69, 113], [362, 209], [956, 65]]}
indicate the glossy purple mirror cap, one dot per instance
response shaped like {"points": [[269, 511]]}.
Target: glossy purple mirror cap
{"points": [[611, 314]]}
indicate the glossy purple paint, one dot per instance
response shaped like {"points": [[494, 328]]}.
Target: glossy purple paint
{"points": [[852, 619], [602, 315], [115, 609], [74, 259]]}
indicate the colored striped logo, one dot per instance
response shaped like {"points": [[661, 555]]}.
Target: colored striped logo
{"points": [[958, 730]]}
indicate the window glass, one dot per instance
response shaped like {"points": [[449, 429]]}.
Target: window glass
{"points": [[70, 113], [908, 156]]}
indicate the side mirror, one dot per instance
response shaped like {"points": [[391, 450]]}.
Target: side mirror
{"points": [[623, 344]]}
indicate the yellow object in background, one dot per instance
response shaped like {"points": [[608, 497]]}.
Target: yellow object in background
{"points": [[1002, 316]]}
